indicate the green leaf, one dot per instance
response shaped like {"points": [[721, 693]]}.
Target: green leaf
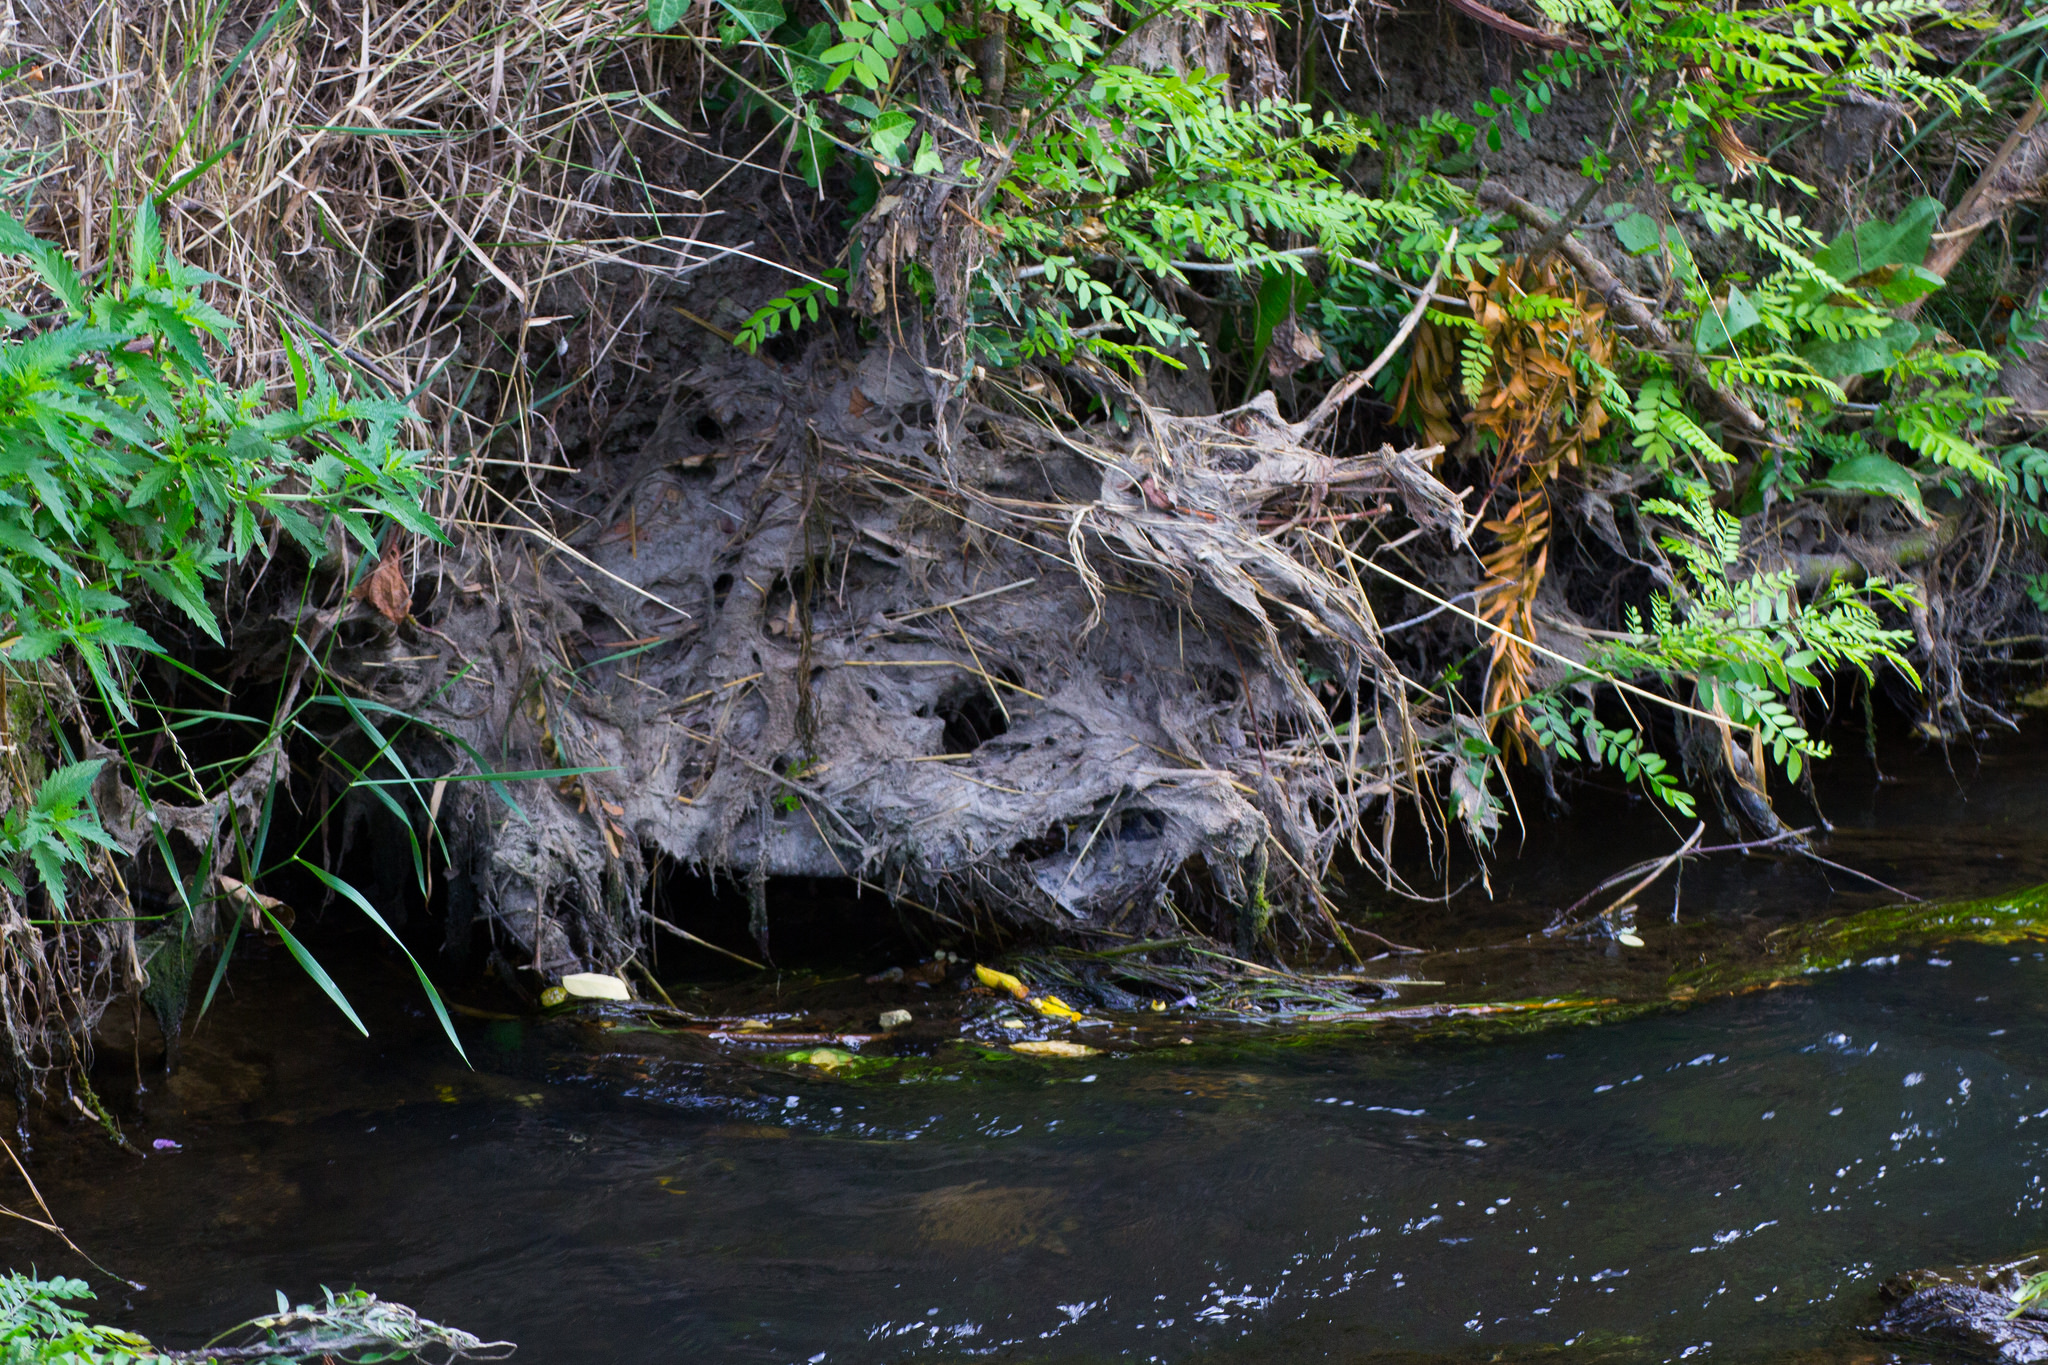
{"points": [[1639, 233], [1907, 283], [146, 242], [68, 786], [335, 883], [1873, 246], [220, 968], [754, 19], [316, 971], [663, 15], [1861, 355], [1719, 325], [888, 133], [1878, 476]]}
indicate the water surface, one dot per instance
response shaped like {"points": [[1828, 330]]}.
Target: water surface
{"points": [[1730, 1180]]}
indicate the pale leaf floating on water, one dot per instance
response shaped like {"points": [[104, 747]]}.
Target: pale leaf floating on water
{"points": [[1628, 939], [595, 986], [1053, 1047]]}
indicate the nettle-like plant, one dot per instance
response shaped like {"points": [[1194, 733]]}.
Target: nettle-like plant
{"points": [[126, 465], [130, 470]]}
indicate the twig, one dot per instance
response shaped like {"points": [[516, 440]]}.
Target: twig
{"points": [[686, 935], [1358, 379], [1840, 867], [1515, 28], [961, 601], [1431, 614], [1662, 865], [1965, 221], [48, 1222], [1551, 654], [1396, 947]]}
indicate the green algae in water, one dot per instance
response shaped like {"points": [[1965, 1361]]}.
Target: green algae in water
{"points": [[1784, 957], [837, 1062], [1805, 950]]}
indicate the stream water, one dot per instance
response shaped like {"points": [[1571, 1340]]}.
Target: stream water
{"points": [[1730, 1181]]}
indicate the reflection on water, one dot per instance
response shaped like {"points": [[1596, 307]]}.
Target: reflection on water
{"points": [[1732, 1180]]}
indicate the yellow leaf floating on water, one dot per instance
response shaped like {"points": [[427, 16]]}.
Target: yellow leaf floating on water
{"points": [[1052, 1047], [1002, 981], [825, 1057], [1055, 1008]]}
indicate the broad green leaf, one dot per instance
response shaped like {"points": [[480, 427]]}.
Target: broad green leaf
{"points": [[1639, 233], [663, 15], [1720, 324], [1908, 282], [754, 19], [888, 133], [1873, 246], [1878, 476]]}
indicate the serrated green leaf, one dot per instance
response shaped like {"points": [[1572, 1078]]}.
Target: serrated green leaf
{"points": [[888, 134]]}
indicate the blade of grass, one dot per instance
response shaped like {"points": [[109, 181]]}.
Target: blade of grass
{"points": [[313, 969], [336, 884], [220, 968], [524, 775]]}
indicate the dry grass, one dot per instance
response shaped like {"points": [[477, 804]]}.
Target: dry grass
{"points": [[455, 192], [472, 201]]}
